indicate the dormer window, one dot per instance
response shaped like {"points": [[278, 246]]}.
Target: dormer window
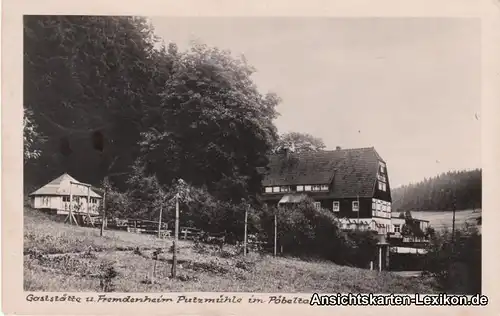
{"points": [[324, 187], [276, 189], [269, 189], [300, 188], [307, 188]]}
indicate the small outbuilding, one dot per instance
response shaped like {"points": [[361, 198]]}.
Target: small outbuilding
{"points": [[55, 197]]}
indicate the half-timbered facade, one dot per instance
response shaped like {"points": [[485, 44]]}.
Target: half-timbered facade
{"points": [[352, 183]]}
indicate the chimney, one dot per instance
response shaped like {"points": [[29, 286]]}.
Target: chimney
{"points": [[338, 148]]}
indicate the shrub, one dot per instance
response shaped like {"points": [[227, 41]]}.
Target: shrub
{"points": [[455, 262], [107, 276], [305, 231], [358, 249]]}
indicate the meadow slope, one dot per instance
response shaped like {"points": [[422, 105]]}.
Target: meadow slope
{"points": [[60, 257]]}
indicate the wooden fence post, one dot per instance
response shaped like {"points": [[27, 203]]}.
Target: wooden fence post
{"points": [[245, 236], [174, 255]]}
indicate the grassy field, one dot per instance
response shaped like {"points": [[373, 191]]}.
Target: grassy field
{"points": [[440, 219], [60, 257]]}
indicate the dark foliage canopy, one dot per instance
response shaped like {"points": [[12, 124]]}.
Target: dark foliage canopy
{"points": [[459, 189]]}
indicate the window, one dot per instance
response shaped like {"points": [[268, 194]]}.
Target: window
{"points": [[65, 198], [336, 206], [307, 188], [389, 208], [397, 228], [93, 200], [269, 189], [317, 205], [374, 205], [324, 187], [276, 189], [381, 167], [300, 188], [381, 186], [76, 199], [285, 189], [355, 206], [379, 206], [316, 188]]}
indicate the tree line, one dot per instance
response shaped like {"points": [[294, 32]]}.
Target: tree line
{"points": [[454, 189], [108, 102], [112, 105]]}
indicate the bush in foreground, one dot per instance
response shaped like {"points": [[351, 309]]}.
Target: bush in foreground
{"points": [[456, 262]]}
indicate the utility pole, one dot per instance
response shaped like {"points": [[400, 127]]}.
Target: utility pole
{"points": [[246, 229], [159, 222], [176, 236], [357, 198], [70, 204], [275, 233], [88, 205], [104, 206], [453, 222]]}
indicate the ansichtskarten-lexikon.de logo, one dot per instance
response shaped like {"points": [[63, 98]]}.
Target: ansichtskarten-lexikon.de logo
{"points": [[397, 300]]}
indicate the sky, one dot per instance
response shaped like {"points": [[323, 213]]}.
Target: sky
{"points": [[410, 87]]}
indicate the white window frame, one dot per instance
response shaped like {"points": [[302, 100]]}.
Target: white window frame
{"points": [[284, 188], [300, 188], [276, 189], [65, 198], [397, 228], [336, 206], [317, 205], [307, 188], [269, 190], [353, 208], [324, 187], [382, 167], [381, 186], [316, 187]]}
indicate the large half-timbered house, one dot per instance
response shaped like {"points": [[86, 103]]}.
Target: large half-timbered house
{"points": [[352, 183]]}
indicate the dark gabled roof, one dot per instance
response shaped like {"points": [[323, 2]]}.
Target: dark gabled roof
{"points": [[351, 172]]}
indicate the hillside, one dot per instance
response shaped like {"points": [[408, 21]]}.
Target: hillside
{"points": [[438, 193], [57, 258]]}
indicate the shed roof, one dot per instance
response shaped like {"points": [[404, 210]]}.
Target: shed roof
{"points": [[292, 198], [61, 186], [352, 172]]}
